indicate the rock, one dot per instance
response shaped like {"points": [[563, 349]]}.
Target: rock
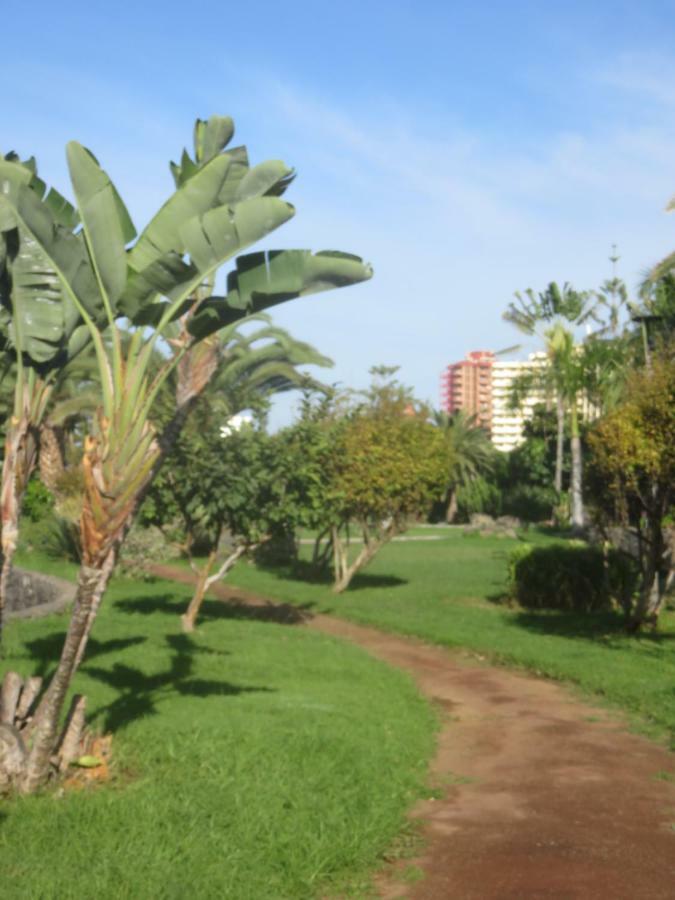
{"points": [[481, 520], [509, 522], [34, 594]]}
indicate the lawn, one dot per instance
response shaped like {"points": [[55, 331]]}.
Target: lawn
{"points": [[252, 760], [448, 592]]}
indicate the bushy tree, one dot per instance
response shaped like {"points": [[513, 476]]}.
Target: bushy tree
{"points": [[633, 449], [385, 463], [225, 492]]}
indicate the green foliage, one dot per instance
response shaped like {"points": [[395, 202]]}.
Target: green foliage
{"points": [[388, 466], [471, 458], [478, 496], [143, 546], [573, 577], [529, 502], [38, 501], [55, 536], [217, 485]]}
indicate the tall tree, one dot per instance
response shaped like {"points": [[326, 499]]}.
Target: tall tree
{"points": [[554, 314], [219, 208]]}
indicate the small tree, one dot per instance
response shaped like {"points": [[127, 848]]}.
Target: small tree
{"points": [[228, 487], [387, 464], [226, 491], [634, 450]]}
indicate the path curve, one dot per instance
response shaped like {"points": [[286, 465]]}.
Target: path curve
{"points": [[545, 796]]}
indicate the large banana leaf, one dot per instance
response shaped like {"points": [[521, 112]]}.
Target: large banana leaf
{"points": [[106, 223], [267, 178], [219, 234], [193, 198], [43, 313], [262, 280], [64, 251], [211, 136], [38, 316]]}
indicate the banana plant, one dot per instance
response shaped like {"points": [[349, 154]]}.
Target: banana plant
{"points": [[162, 277], [41, 331]]}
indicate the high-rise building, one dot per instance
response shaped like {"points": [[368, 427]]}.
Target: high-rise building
{"points": [[467, 385], [481, 385]]}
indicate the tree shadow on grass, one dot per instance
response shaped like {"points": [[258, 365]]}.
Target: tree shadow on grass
{"points": [[139, 693], [303, 570], [231, 607], [601, 627], [46, 651]]}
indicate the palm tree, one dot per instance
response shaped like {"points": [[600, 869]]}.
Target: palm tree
{"points": [[471, 453], [553, 315], [165, 275]]}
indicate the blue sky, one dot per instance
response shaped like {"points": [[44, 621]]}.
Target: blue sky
{"points": [[466, 151]]}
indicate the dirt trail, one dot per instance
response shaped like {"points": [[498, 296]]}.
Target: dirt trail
{"points": [[546, 797]]}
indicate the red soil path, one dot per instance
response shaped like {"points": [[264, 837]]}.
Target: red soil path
{"points": [[545, 796]]}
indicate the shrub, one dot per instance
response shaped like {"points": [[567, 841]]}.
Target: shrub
{"points": [[529, 502], [571, 577], [56, 536], [142, 547], [478, 496], [38, 501]]}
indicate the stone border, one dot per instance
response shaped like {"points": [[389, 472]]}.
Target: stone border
{"points": [[34, 594]]}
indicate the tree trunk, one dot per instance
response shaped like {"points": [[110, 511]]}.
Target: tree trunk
{"points": [[92, 583], [451, 506], [344, 575], [206, 580], [577, 474], [189, 616], [108, 512], [17, 467], [655, 575], [559, 445], [51, 457]]}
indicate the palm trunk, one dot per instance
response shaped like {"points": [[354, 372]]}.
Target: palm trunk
{"points": [[577, 472], [559, 445], [117, 473], [51, 456], [17, 467], [92, 583]]}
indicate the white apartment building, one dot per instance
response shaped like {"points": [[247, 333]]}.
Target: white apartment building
{"points": [[506, 427]]}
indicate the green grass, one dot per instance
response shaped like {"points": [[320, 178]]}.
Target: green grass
{"points": [[447, 592], [252, 760]]}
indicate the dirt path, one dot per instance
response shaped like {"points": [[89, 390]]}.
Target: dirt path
{"points": [[545, 796]]}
